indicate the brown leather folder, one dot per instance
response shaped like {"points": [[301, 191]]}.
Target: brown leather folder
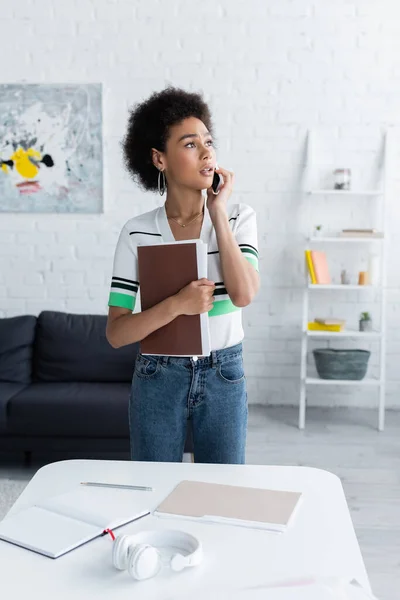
{"points": [[164, 269]]}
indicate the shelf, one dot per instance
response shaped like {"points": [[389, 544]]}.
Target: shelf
{"points": [[345, 193], [363, 194], [344, 240], [318, 381], [341, 286], [348, 333]]}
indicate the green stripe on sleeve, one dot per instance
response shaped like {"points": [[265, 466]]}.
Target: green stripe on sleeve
{"points": [[124, 286], [122, 300], [253, 261], [222, 307], [249, 251]]}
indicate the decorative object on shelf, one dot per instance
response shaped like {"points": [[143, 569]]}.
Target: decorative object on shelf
{"points": [[363, 278], [342, 178], [341, 364], [318, 231], [373, 269], [365, 322], [344, 277]]}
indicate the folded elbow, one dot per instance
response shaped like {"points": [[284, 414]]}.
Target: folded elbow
{"points": [[113, 343], [241, 300]]}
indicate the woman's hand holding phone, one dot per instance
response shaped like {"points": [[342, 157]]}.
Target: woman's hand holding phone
{"points": [[220, 191], [216, 183]]}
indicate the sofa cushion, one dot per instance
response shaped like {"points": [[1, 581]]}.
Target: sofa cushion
{"points": [[16, 339], [70, 409], [7, 391], [72, 347]]}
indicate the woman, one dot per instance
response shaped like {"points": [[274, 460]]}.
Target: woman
{"points": [[169, 147]]}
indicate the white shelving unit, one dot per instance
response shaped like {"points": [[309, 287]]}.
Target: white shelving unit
{"points": [[345, 193], [344, 240], [344, 288], [381, 243], [348, 333], [317, 381]]}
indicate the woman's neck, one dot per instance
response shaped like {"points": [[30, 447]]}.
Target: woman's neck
{"points": [[184, 205]]}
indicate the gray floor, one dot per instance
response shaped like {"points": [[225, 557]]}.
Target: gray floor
{"points": [[344, 441]]}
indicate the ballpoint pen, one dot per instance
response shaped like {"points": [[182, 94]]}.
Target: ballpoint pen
{"points": [[120, 486]]}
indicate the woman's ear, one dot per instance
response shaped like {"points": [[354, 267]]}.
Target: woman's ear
{"points": [[157, 159]]}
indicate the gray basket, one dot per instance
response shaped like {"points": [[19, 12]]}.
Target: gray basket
{"points": [[341, 364]]}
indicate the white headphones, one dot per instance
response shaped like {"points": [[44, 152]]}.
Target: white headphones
{"points": [[145, 553]]}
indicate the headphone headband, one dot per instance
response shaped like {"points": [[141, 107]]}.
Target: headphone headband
{"points": [[182, 541]]}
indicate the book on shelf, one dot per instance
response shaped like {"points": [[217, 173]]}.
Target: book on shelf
{"points": [[313, 326], [310, 266], [372, 233], [330, 321], [365, 230], [317, 266], [321, 269]]}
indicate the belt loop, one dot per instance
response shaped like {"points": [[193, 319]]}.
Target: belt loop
{"points": [[214, 359], [164, 361]]}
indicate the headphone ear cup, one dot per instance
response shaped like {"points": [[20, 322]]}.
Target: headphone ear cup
{"points": [[120, 552], [144, 561], [178, 563]]}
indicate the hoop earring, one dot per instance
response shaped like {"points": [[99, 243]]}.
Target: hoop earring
{"points": [[161, 189]]}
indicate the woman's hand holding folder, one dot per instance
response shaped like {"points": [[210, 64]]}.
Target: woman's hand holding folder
{"points": [[126, 328], [171, 286], [196, 298]]}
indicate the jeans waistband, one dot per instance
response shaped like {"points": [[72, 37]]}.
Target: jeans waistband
{"points": [[215, 357]]}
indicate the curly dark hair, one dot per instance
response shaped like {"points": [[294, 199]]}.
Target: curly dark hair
{"points": [[148, 127]]}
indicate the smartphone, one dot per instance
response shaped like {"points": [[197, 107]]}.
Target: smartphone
{"points": [[217, 182]]}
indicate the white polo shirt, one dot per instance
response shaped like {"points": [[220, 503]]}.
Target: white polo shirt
{"points": [[152, 227]]}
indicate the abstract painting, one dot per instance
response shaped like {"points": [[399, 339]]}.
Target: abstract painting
{"points": [[51, 150]]}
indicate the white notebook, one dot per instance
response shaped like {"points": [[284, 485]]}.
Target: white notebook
{"points": [[61, 523]]}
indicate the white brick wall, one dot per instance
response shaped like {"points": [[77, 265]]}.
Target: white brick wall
{"points": [[270, 70]]}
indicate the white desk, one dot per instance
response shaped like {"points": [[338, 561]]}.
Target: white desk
{"points": [[321, 541]]}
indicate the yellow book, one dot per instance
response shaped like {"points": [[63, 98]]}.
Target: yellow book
{"points": [[310, 266], [313, 326]]}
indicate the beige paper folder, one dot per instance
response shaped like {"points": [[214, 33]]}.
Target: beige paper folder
{"points": [[235, 505]]}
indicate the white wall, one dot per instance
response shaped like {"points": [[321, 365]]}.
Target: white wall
{"points": [[270, 69]]}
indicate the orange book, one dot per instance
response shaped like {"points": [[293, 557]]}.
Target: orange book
{"points": [[321, 268]]}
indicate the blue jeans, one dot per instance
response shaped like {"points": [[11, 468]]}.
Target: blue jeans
{"points": [[210, 392]]}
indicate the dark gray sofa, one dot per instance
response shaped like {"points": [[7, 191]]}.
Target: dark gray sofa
{"points": [[63, 388]]}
